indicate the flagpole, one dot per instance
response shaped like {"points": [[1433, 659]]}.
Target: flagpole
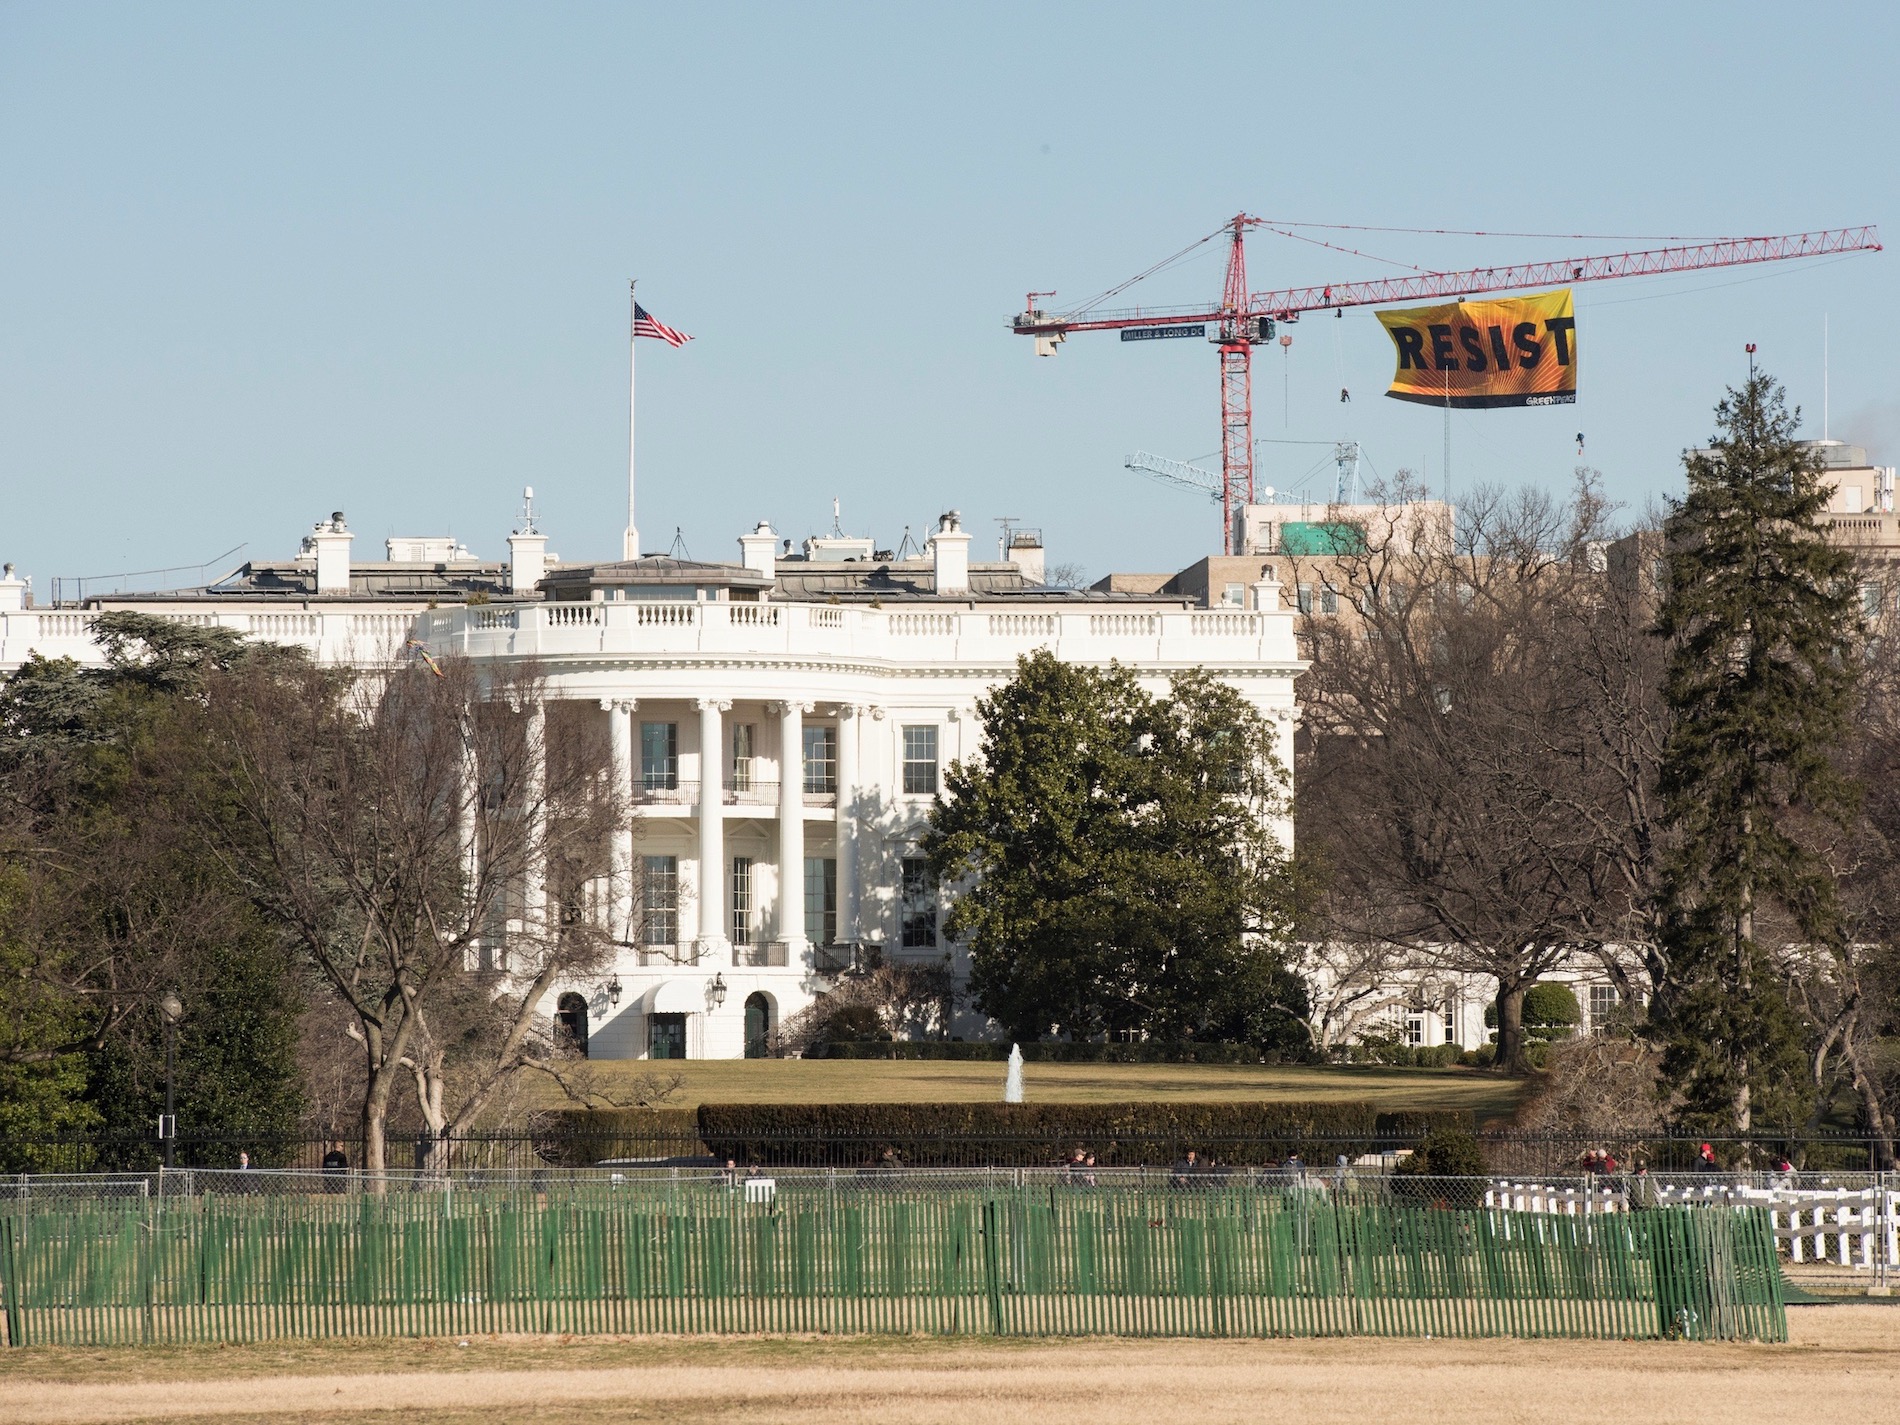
{"points": [[630, 544]]}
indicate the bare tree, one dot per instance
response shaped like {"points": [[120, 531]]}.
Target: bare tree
{"points": [[434, 839], [1445, 751]]}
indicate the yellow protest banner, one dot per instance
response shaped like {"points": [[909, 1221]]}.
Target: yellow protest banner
{"points": [[1520, 351]]}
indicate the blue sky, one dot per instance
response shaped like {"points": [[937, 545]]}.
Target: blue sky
{"points": [[261, 262]]}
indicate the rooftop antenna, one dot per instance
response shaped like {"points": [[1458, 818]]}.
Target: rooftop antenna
{"points": [[837, 518], [677, 549], [1006, 521], [527, 511], [908, 548]]}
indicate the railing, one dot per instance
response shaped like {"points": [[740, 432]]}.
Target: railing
{"points": [[649, 957], [676, 793], [485, 618], [666, 615], [753, 615], [1223, 624], [914, 625], [762, 955], [754, 793], [574, 615], [284, 625], [827, 618], [1124, 625], [1022, 625]]}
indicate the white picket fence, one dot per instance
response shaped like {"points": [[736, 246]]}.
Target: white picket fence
{"points": [[1849, 1227]]}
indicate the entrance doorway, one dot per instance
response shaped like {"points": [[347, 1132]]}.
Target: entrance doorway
{"points": [[758, 1026], [570, 1022], [666, 1036]]}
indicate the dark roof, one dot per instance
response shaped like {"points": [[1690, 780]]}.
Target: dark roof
{"points": [[651, 571], [861, 581], [296, 579]]}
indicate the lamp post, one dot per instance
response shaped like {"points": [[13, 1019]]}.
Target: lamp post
{"points": [[171, 1010]]}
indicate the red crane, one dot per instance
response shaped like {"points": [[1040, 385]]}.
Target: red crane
{"points": [[1244, 320]]}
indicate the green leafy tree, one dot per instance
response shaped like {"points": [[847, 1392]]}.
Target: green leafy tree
{"points": [[1121, 873], [1762, 625], [112, 900]]}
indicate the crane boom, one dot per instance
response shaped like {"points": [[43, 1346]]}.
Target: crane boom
{"points": [[1244, 319], [1176, 472], [1291, 301]]}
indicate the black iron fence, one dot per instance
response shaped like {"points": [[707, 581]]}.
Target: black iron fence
{"points": [[1510, 1152]]}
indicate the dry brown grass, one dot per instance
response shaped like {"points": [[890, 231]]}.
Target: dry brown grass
{"points": [[888, 1081], [1843, 1364]]}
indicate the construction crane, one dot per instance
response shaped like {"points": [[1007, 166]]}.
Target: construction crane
{"points": [[1243, 320]]}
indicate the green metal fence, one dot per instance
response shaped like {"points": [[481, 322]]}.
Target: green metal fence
{"points": [[1049, 1260]]}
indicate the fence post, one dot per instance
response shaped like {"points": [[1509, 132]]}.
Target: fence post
{"points": [[10, 1280]]}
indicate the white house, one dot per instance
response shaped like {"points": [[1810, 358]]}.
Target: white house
{"points": [[781, 725]]}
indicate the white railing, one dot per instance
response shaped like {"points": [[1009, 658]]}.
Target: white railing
{"points": [[1124, 625], [572, 615], [1849, 1227], [666, 615], [63, 625], [1022, 625], [492, 618], [753, 615], [283, 625], [1227, 625], [827, 618], [923, 625]]}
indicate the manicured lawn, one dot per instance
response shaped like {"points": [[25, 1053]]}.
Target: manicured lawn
{"points": [[885, 1081]]}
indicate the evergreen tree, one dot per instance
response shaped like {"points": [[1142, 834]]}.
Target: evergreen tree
{"points": [[1760, 613], [1122, 874]]}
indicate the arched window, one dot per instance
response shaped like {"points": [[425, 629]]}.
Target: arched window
{"points": [[758, 1026], [570, 1022]]}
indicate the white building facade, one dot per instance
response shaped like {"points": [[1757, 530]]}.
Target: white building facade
{"points": [[781, 728]]}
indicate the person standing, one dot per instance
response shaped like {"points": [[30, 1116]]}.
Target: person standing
{"points": [[1705, 1160], [336, 1165]]}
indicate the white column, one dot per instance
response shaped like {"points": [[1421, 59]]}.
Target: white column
{"points": [[712, 827], [791, 829], [534, 889], [620, 742], [848, 719]]}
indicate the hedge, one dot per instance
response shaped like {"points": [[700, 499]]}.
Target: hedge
{"points": [[1053, 1053], [985, 1134], [1011, 1134]]}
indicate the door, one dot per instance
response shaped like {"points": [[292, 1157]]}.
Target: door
{"points": [[570, 1022], [666, 1036], [758, 1026]]}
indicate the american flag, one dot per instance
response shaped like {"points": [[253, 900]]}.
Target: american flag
{"points": [[645, 324]]}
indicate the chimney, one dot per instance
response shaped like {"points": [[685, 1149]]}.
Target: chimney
{"points": [[758, 551], [13, 590], [950, 555], [527, 550], [1023, 548], [330, 542]]}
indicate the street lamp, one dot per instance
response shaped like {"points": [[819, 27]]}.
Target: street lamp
{"points": [[171, 1011], [613, 991], [716, 991]]}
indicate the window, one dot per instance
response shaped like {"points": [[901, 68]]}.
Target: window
{"points": [[1415, 1029], [742, 741], [920, 761], [821, 761], [1233, 596], [660, 894], [1850, 499], [659, 756], [741, 900], [1603, 1002], [1329, 600], [1659, 573], [1451, 1021], [917, 905], [821, 900], [1303, 600], [1870, 601], [666, 1036]]}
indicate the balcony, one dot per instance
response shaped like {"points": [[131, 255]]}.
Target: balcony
{"points": [[660, 957], [935, 637], [762, 955], [753, 793], [676, 793]]}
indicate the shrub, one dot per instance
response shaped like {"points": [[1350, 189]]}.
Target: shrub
{"points": [[1149, 1052], [1446, 1168], [1550, 1011], [964, 1134], [577, 1137]]}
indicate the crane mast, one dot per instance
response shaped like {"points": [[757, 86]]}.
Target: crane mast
{"points": [[1243, 320]]}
